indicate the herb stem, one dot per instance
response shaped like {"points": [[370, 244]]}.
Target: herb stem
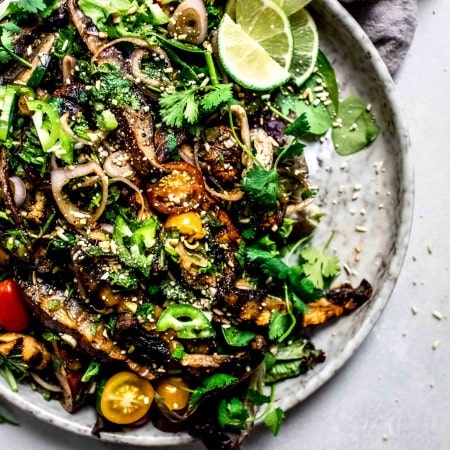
{"points": [[280, 114], [289, 311], [325, 247], [239, 142], [211, 68], [269, 404], [9, 377], [297, 245], [11, 53]]}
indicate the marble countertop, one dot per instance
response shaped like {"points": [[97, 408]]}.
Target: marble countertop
{"points": [[395, 391]]}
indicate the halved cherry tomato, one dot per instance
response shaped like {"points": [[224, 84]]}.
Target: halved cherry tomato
{"points": [[174, 391], [179, 191], [14, 315], [188, 223], [126, 398]]}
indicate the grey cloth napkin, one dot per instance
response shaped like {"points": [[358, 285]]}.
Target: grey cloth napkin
{"points": [[390, 24]]}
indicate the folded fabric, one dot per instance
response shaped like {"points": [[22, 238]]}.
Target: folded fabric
{"points": [[390, 24]]}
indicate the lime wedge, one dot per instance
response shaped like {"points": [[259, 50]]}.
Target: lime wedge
{"points": [[267, 24], [291, 6], [305, 36], [247, 61]]}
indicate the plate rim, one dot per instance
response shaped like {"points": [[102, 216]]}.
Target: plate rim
{"points": [[407, 202]]}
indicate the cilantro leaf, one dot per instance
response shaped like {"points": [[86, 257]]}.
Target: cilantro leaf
{"points": [[275, 267], [91, 371], [185, 106], [299, 128], [262, 185], [7, 43], [32, 6], [290, 151], [237, 338], [280, 324], [256, 398], [302, 286], [232, 414], [218, 95], [256, 254], [319, 265], [216, 381], [274, 419], [298, 303], [176, 107]]}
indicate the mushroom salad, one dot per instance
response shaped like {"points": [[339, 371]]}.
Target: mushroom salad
{"points": [[155, 220]]}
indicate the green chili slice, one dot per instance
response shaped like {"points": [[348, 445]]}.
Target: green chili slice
{"points": [[188, 321]]}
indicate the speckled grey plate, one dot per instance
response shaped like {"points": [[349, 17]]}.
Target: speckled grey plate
{"points": [[371, 191]]}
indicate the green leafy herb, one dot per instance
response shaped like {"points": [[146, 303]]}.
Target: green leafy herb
{"points": [[91, 372], [186, 106], [319, 266], [216, 381], [291, 360], [145, 310], [257, 398], [19, 9], [115, 18], [316, 112], [280, 324], [13, 369], [49, 336], [357, 127], [179, 352], [298, 128], [262, 184], [236, 337], [273, 420], [232, 413], [7, 45]]}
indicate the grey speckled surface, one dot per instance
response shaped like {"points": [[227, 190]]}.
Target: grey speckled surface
{"points": [[395, 391]]}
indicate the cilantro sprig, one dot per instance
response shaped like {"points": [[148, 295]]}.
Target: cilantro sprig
{"points": [[211, 383], [186, 106], [7, 44], [262, 184]]}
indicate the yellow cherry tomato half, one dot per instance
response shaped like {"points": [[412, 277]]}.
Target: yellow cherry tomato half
{"points": [[126, 398], [188, 223], [174, 391]]}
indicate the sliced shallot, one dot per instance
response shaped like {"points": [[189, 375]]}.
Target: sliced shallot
{"points": [[74, 215]]}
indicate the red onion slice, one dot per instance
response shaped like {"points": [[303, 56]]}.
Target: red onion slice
{"points": [[74, 215], [19, 190]]}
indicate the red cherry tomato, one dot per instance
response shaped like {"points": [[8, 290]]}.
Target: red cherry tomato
{"points": [[14, 315], [178, 191]]}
